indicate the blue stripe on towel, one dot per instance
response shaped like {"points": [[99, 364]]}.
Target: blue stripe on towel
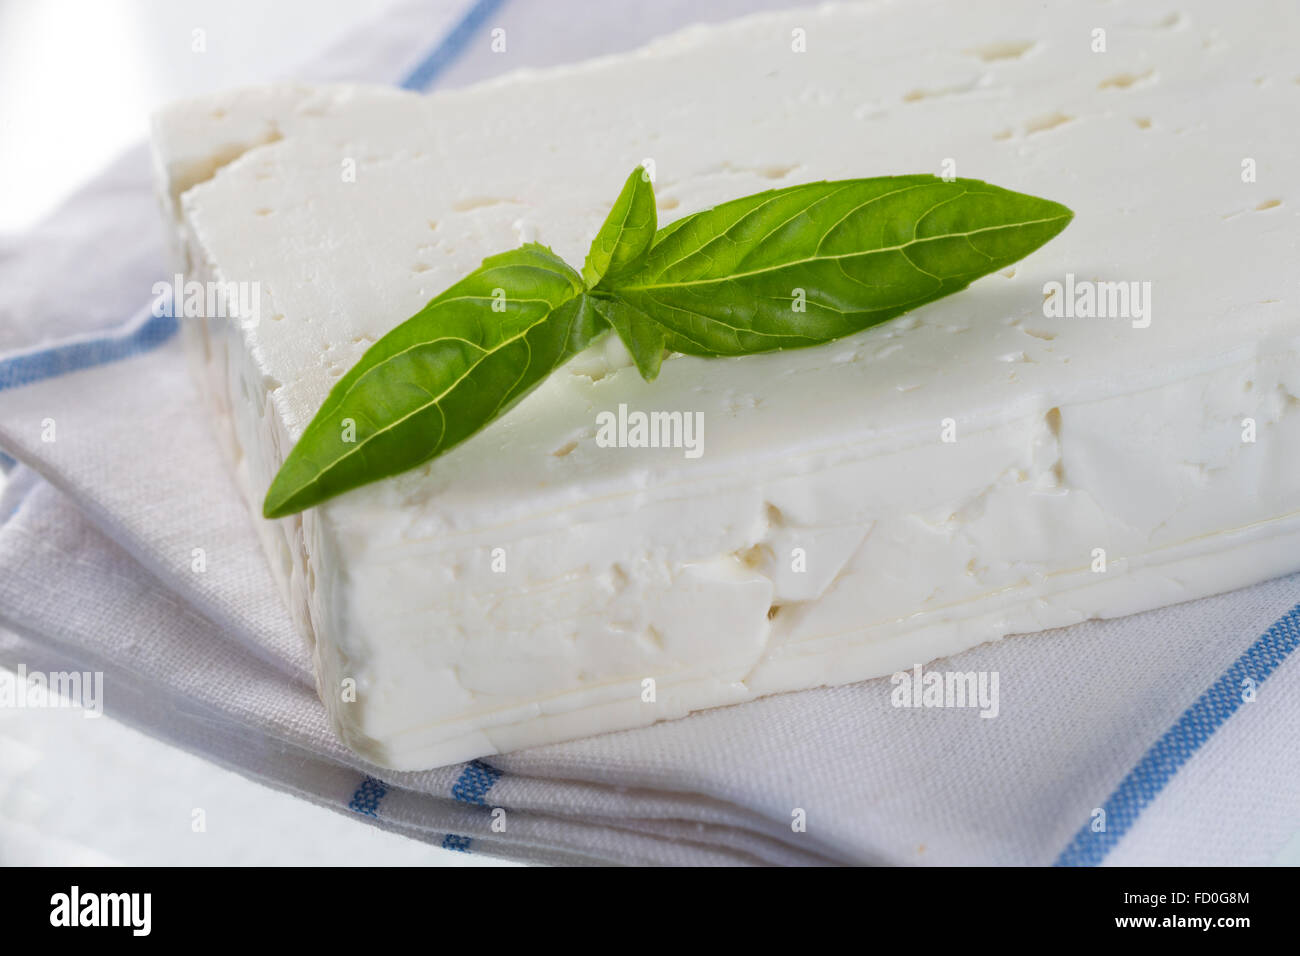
{"points": [[1167, 756], [28, 367], [452, 45], [367, 797], [474, 782], [471, 786], [453, 841]]}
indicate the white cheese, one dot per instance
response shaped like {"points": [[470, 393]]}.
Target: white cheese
{"points": [[523, 588]]}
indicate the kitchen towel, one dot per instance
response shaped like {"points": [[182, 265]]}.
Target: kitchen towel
{"points": [[1166, 737]]}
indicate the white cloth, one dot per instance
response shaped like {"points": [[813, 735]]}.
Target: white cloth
{"points": [[96, 550]]}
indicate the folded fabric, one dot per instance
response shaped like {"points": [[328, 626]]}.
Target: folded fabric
{"points": [[125, 549]]}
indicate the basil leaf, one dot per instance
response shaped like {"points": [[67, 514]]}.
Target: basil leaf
{"points": [[436, 379], [627, 232], [645, 338], [620, 246], [782, 269], [805, 265]]}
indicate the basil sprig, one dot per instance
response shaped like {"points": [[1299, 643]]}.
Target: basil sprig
{"points": [[788, 268]]}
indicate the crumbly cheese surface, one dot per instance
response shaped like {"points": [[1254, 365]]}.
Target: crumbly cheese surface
{"points": [[524, 587]]}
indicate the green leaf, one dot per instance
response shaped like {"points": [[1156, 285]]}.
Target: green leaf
{"points": [[644, 337], [620, 246], [627, 233], [782, 269], [805, 265], [436, 379]]}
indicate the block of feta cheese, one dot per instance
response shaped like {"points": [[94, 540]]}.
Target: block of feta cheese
{"points": [[1110, 426]]}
